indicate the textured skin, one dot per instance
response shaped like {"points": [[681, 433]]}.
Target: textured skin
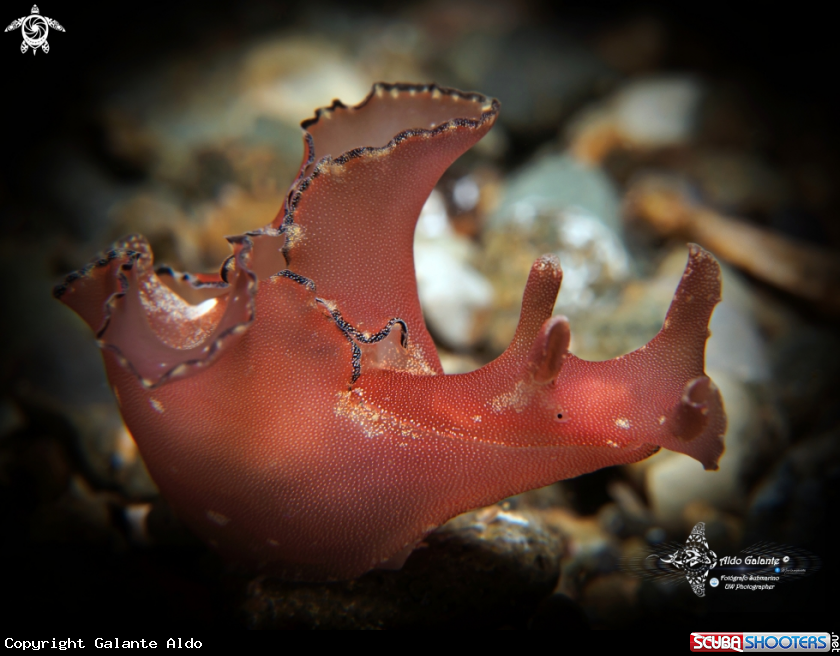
{"points": [[283, 452]]}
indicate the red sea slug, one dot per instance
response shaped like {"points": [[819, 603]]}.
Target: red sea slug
{"points": [[293, 409]]}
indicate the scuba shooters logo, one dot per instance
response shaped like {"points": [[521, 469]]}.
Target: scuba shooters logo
{"points": [[751, 642], [760, 566], [717, 642]]}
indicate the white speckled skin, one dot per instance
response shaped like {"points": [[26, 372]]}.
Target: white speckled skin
{"points": [[254, 423]]}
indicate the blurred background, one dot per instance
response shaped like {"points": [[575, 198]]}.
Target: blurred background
{"points": [[625, 132]]}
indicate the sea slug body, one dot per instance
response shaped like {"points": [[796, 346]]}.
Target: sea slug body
{"points": [[293, 409]]}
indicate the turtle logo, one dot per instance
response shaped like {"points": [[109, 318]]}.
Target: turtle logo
{"points": [[34, 29], [695, 559]]}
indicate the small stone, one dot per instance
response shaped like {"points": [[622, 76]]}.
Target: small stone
{"points": [[485, 569], [554, 205], [453, 294], [558, 183], [645, 114], [737, 346], [658, 111], [289, 76], [627, 516]]}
